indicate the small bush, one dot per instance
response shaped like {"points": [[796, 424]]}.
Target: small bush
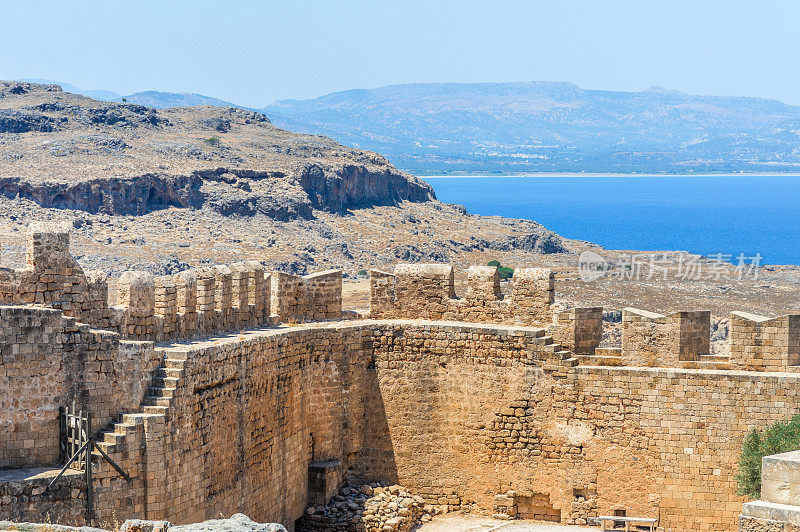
{"points": [[362, 272], [505, 273], [780, 437], [213, 141]]}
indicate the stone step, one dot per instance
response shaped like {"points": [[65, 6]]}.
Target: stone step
{"points": [[107, 447], [784, 513], [155, 409], [608, 351], [600, 360], [183, 356], [175, 373], [715, 358], [712, 364], [112, 437], [165, 382], [174, 363], [155, 400], [160, 392]]}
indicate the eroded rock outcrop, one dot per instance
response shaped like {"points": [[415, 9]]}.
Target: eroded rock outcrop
{"points": [[67, 151]]}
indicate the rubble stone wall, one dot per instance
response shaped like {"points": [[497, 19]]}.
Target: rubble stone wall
{"points": [[23, 496], [754, 524]]}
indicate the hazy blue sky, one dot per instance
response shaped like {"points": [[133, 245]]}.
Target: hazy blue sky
{"points": [[254, 52]]}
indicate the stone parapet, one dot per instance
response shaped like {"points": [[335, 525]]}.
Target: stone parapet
{"points": [[189, 304], [652, 339], [579, 329], [764, 344], [427, 291]]}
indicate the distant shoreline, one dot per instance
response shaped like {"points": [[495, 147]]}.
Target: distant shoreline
{"points": [[600, 174]]}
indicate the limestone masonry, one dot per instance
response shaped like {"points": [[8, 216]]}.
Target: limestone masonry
{"points": [[232, 389]]}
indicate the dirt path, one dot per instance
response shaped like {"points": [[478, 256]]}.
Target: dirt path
{"points": [[470, 523]]}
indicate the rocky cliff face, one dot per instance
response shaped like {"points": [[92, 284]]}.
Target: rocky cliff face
{"points": [[66, 151]]}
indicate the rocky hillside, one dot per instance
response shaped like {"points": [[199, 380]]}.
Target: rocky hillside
{"points": [[164, 189], [62, 150]]}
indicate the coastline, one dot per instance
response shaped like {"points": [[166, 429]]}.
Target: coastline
{"points": [[600, 174]]}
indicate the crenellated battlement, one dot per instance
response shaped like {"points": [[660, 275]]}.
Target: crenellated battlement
{"points": [[427, 291], [649, 339], [189, 304]]}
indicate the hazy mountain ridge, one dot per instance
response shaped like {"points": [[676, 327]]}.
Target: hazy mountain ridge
{"points": [[536, 127], [553, 127], [155, 99]]}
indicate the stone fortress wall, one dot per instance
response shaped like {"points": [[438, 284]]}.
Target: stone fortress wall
{"points": [[522, 414]]}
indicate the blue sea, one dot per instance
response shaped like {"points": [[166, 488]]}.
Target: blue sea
{"points": [[709, 215]]}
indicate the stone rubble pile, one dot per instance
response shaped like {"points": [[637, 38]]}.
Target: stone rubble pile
{"points": [[370, 507]]}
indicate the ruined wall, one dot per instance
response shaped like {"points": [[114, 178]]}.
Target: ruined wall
{"points": [[51, 276], [47, 361], [427, 291], [24, 494]]}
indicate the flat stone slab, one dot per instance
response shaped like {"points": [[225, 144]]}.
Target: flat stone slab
{"points": [[770, 510]]}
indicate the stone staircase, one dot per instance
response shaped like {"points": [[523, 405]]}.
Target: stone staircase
{"points": [[603, 356], [556, 359], [155, 404]]}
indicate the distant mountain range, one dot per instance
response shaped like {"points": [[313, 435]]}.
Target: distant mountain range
{"points": [[541, 127], [156, 99]]}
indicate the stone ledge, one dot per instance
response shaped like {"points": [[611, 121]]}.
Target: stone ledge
{"points": [[772, 511]]}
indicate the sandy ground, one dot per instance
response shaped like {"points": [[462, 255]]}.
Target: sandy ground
{"points": [[469, 523]]}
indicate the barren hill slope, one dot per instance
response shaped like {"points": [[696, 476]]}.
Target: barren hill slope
{"points": [[68, 151], [185, 185]]}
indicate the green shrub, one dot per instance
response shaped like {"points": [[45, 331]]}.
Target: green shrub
{"points": [[213, 141], [362, 272], [780, 437], [505, 273]]}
